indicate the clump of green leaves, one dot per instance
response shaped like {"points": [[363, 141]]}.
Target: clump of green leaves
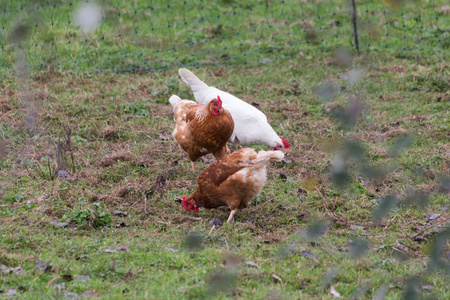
{"points": [[135, 109], [92, 216]]}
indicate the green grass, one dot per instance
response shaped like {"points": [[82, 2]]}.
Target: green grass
{"points": [[125, 234], [137, 35], [119, 156]]}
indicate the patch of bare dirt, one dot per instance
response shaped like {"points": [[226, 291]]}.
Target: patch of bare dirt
{"points": [[111, 158], [5, 106], [110, 132]]}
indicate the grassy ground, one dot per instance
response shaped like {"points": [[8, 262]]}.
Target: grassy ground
{"points": [[141, 35], [118, 230]]}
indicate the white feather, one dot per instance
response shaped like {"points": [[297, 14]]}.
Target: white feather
{"points": [[250, 124]]}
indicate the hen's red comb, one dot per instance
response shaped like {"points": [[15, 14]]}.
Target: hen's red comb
{"points": [[184, 203], [220, 101], [285, 143]]}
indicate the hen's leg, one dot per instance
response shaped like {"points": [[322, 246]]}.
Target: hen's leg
{"points": [[193, 166], [231, 217], [221, 153]]}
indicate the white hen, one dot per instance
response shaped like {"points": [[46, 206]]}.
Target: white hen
{"points": [[250, 124]]}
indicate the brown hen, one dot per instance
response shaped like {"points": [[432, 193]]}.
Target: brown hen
{"points": [[201, 129], [232, 181]]}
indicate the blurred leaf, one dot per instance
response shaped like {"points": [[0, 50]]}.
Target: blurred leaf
{"points": [[348, 116], [310, 183], [384, 207], [343, 57], [339, 173], [287, 250], [221, 282], [278, 278], [315, 229], [341, 178], [438, 246], [412, 289], [381, 293], [352, 150], [331, 275], [416, 197], [19, 32], [311, 36], [194, 241], [327, 91], [444, 184], [354, 75], [377, 172], [393, 4], [358, 248], [88, 17], [400, 145]]}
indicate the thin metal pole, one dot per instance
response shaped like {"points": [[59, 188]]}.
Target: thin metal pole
{"points": [[355, 29]]}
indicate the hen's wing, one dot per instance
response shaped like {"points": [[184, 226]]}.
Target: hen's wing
{"points": [[184, 112], [221, 170]]}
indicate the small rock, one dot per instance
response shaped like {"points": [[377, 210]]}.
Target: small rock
{"points": [[59, 224], [62, 174], [87, 294], [286, 160], [427, 287], [216, 222], [171, 249], [123, 224], [110, 251], [83, 277], [120, 212], [43, 266], [307, 253], [11, 292], [165, 136], [123, 248], [60, 286], [266, 60], [431, 217], [252, 264], [205, 160], [72, 295], [355, 227]]}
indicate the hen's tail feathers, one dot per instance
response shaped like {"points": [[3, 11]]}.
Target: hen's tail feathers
{"points": [[174, 100], [192, 80], [264, 156]]}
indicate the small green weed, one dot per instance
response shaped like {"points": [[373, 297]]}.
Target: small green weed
{"points": [[135, 109], [92, 216]]}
